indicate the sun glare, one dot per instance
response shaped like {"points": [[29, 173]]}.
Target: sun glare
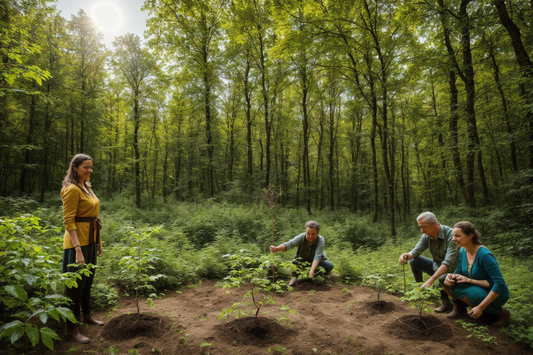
{"points": [[108, 17]]}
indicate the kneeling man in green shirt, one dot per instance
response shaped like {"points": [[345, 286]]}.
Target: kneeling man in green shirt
{"points": [[310, 249]]}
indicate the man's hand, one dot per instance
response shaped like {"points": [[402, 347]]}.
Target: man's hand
{"points": [[273, 249], [312, 274], [404, 258], [428, 283]]}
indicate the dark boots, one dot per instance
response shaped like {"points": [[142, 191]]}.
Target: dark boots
{"points": [[459, 310], [91, 321], [446, 304], [76, 336], [502, 318]]}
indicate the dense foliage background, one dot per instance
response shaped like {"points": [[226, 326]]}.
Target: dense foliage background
{"points": [[380, 107]]}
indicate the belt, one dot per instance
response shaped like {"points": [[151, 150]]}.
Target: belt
{"points": [[95, 224]]}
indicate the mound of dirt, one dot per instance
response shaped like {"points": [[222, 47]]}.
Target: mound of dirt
{"points": [[127, 326], [379, 307], [308, 285], [428, 328], [254, 331]]}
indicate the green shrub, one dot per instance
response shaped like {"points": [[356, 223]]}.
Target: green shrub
{"points": [[31, 282]]}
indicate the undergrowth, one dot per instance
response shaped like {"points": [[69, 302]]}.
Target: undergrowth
{"points": [[194, 237]]}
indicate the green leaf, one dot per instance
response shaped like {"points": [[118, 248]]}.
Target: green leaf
{"points": [[65, 312], [17, 334], [16, 291], [43, 317], [15, 323], [205, 343], [49, 332], [30, 279], [47, 335], [33, 334], [47, 341]]}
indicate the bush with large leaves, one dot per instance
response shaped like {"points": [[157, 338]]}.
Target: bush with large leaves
{"points": [[31, 284]]}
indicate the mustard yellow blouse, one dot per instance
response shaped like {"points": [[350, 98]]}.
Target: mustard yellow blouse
{"points": [[77, 203]]}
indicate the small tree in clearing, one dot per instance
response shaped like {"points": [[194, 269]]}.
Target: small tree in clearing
{"points": [[380, 284], [250, 272], [137, 264]]}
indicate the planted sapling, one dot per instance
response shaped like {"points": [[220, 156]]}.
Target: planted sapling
{"points": [[420, 298], [380, 284], [249, 272], [136, 266]]}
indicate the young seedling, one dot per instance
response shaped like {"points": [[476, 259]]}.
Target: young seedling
{"points": [[380, 284], [284, 319], [481, 332], [249, 272], [137, 264], [302, 272], [420, 299]]}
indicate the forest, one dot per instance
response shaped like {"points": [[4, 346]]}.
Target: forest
{"points": [[360, 113]]}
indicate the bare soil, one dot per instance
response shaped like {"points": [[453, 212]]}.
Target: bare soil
{"points": [[328, 320]]}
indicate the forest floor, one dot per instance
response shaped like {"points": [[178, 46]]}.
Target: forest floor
{"points": [[328, 320]]}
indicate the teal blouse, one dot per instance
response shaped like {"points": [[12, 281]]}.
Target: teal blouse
{"points": [[484, 267]]}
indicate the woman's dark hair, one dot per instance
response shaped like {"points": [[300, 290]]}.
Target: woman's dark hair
{"points": [[72, 176], [468, 228], [313, 225]]}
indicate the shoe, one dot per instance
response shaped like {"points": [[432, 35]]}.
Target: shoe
{"points": [[459, 310], [334, 276], [446, 305], [293, 281], [76, 336], [91, 321], [502, 318]]}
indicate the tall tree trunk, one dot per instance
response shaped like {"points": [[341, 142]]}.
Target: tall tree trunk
{"points": [[473, 143], [507, 121], [524, 61], [454, 106], [137, 157]]}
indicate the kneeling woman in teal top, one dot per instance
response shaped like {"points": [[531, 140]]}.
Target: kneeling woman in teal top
{"points": [[477, 281]]}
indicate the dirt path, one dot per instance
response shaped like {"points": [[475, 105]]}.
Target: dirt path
{"points": [[328, 321]]}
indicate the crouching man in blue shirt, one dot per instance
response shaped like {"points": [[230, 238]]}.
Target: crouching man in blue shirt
{"points": [[443, 248], [310, 249]]}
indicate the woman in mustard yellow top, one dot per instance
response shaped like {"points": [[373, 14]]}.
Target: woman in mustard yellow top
{"points": [[81, 242]]}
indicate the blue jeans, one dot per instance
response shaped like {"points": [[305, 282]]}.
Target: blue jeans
{"points": [[326, 264]]}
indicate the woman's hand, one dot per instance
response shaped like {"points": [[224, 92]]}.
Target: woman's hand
{"points": [[450, 280], [475, 312], [99, 250], [80, 259], [460, 279]]}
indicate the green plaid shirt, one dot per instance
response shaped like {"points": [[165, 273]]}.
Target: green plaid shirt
{"points": [[443, 250]]}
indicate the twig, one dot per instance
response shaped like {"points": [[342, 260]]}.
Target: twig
{"points": [[270, 196], [404, 285]]}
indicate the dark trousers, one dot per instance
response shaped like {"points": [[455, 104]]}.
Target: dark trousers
{"points": [[81, 295], [422, 264]]}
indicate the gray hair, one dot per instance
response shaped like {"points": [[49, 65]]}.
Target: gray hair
{"points": [[313, 225], [427, 217]]}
